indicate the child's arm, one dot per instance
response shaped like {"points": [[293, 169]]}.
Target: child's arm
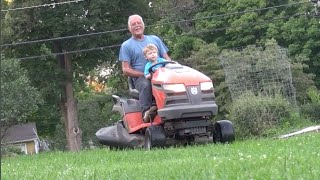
{"points": [[148, 76], [146, 73]]}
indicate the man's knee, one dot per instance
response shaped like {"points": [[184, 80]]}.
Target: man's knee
{"points": [[143, 84]]}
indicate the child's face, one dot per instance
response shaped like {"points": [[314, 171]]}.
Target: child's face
{"points": [[152, 55]]}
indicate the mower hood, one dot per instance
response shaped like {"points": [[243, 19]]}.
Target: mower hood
{"points": [[179, 74]]}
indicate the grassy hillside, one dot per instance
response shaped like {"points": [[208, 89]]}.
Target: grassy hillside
{"points": [[293, 158]]}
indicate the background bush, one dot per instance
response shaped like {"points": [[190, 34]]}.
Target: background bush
{"points": [[311, 109], [94, 112], [256, 115], [10, 150]]}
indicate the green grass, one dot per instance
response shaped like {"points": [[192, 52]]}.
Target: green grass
{"points": [[294, 158]]}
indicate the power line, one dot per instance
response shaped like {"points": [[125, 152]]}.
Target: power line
{"points": [[43, 5], [71, 52], [192, 33], [173, 22], [60, 38]]}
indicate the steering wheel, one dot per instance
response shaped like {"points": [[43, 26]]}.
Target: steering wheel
{"points": [[162, 64]]}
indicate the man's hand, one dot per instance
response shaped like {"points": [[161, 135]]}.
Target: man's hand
{"points": [[128, 71]]}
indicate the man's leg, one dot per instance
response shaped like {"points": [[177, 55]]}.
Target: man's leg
{"points": [[143, 85]]}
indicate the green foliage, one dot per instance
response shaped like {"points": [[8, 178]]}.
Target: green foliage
{"points": [[266, 69], [178, 36], [19, 99], [58, 21], [44, 74], [117, 81], [206, 60], [184, 47], [70, 20], [10, 151], [301, 36], [255, 115], [293, 158], [289, 124], [59, 141], [286, 25], [301, 80], [311, 109], [6, 30], [314, 95], [94, 112]]}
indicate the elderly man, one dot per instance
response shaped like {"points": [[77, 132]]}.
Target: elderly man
{"points": [[133, 61]]}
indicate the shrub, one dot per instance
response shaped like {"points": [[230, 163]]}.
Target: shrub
{"points": [[59, 140], [255, 115], [312, 110], [94, 112], [10, 150]]}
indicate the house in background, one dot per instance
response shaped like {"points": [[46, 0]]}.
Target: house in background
{"points": [[24, 136]]}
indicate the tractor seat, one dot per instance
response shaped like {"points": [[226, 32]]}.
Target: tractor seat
{"points": [[132, 91]]}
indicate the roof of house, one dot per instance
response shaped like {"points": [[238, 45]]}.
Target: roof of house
{"points": [[20, 133]]}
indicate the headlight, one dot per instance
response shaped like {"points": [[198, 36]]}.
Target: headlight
{"points": [[206, 86], [174, 87]]}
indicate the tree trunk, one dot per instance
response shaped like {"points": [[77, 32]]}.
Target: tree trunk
{"points": [[68, 104], [73, 130]]}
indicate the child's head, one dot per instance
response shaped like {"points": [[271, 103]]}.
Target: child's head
{"points": [[150, 52]]}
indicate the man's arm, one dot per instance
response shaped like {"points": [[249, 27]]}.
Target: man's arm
{"points": [[166, 56], [128, 71]]}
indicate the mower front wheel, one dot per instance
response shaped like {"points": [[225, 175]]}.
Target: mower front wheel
{"points": [[223, 132], [154, 137]]}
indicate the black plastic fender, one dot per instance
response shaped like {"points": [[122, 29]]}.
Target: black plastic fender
{"points": [[154, 137], [117, 136], [223, 132]]}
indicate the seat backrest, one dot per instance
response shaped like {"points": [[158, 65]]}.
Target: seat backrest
{"points": [[133, 92]]}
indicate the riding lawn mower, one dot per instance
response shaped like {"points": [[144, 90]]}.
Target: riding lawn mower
{"points": [[185, 103]]}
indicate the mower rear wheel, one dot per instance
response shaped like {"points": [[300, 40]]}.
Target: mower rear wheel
{"points": [[223, 132], [154, 137]]}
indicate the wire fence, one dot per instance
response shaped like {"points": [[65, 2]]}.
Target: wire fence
{"points": [[260, 70]]}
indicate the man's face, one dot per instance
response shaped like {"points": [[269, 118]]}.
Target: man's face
{"points": [[152, 55], [136, 26]]}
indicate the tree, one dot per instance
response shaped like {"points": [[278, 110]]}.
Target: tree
{"points": [[175, 26], [236, 24], [246, 22], [19, 99], [70, 20]]}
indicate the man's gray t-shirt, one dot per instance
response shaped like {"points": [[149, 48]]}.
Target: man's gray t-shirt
{"points": [[131, 51]]}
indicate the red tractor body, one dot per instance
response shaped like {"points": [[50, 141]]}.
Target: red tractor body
{"points": [[186, 104]]}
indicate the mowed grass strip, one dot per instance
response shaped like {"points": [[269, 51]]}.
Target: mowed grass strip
{"points": [[294, 158]]}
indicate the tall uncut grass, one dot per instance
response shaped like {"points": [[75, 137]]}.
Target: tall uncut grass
{"points": [[294, 158]]}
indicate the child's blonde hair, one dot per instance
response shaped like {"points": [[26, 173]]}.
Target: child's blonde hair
{"points": [[149, 47]]}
